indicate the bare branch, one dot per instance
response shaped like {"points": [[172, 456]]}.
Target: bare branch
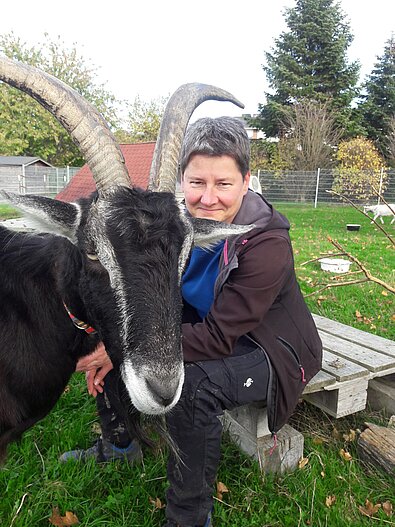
{"points": [[341, 196]]}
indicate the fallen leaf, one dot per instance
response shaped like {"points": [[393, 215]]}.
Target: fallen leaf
{"points": [[221, 490], [330, 500], [387, 508], [70, 519], [369, 509], [157, 503], [63, 521], [358, 314], [335, 433], [345, 455], [303, 462], [351, 436], [384, 292], [322, 474]]}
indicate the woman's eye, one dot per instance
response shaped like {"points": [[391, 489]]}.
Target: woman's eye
{"points": [[92, 256]]}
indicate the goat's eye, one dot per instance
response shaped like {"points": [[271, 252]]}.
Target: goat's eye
{"points": [[92, 256]]}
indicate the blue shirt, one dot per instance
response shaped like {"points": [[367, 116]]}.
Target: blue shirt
{"points": [[199, 278]]}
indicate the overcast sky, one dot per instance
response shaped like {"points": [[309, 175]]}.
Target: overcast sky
{"points": [[150, 47]]}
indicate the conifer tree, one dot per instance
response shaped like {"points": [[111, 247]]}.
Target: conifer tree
{"points": [[309, 61], [378, 103]]}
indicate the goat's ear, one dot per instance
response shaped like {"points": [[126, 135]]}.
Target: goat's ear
{"points": [[46, 214], [207, 233]]}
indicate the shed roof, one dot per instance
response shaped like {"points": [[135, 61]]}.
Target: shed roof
{"points": [[21, 160], [138, 159]]}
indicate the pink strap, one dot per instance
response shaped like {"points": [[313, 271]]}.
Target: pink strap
{"points": [[226, 260]]}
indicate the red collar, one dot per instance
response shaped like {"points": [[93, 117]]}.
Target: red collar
{"points": [[79, 323]]}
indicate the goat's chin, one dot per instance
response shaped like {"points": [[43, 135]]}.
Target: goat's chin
{"points": [[142, 397]]}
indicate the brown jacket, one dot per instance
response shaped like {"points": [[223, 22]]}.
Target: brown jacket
{"points": [[257, 295]]}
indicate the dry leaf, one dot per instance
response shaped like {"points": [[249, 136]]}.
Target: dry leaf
{"points": [[335, 433], [156, 503], [322, 474], [318, 440], [387, 508], [351, 436], [67, 520], [303, 462], [330, 500], [369, 509], [345, 455], [384, 292], [221, 490], [358, 314]]}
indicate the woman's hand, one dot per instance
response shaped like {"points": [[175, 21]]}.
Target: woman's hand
{"points": [[96, 365]]}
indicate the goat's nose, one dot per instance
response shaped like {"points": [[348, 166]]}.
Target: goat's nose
{"points": [[162, 391]]}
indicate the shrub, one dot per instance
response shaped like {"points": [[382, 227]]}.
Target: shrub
{"points": [[359, 170]]}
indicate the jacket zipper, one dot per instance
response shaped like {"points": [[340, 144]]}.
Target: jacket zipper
{"points": [[269, 403], [293, 353]]}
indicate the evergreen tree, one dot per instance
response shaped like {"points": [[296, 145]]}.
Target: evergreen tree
{"points": [[378, 104], [309, 61]]}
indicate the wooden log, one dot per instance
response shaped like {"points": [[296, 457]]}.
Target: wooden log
{"points": [[376, 445]]}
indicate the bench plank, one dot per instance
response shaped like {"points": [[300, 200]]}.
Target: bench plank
{"points": [[345, 400], [367, 340], [341, 368], [319, 381], [369, 359]]}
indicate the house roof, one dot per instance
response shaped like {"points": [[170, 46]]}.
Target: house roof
{"points": [[21, 160], [138, 159]]}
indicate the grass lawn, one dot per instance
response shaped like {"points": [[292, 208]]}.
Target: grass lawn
{"points": [[328, 491], [365, 306]]}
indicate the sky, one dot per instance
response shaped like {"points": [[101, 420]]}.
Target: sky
{"points": [[150, 47]]}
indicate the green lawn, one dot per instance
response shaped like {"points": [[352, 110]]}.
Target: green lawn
{"points": [[365, 306], [32, 481]]}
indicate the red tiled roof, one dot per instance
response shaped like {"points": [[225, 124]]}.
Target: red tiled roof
{"points": [[138, 159]]}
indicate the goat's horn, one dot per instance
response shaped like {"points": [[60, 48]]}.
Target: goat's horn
{"points": [[84, 123], [178, 111]]}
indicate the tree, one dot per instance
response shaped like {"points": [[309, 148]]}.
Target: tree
{"points": [[25, 127], [359, 171], [309, 61], [312, 134], [143, 121], [378, 104]]}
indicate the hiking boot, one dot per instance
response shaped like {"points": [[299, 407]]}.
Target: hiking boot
{"points": [[170, 523], [103, 452]]}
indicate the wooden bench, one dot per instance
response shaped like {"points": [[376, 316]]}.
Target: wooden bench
{"points": [[357, 367]]}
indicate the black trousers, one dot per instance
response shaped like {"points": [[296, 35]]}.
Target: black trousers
{"points": [[195, 425]]}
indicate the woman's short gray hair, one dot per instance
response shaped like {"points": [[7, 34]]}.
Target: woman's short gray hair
{"points": [[221, 136]]}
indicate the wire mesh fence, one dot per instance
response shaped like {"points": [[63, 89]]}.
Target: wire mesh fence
{"points": [[45, 181], [314, 187], [285, 186]]}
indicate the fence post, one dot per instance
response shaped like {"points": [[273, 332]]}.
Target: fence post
{"points": [[381, 185], [316, 187], [23, 183], [68, 173]]}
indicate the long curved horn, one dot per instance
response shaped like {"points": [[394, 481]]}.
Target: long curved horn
{"points": [[84, 123], [178, 111]]}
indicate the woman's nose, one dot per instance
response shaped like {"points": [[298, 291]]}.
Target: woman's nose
{"points": [[209, 196]]}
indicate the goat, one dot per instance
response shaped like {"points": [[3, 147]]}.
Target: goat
{"points": [[381, 210], [114, 260]]}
